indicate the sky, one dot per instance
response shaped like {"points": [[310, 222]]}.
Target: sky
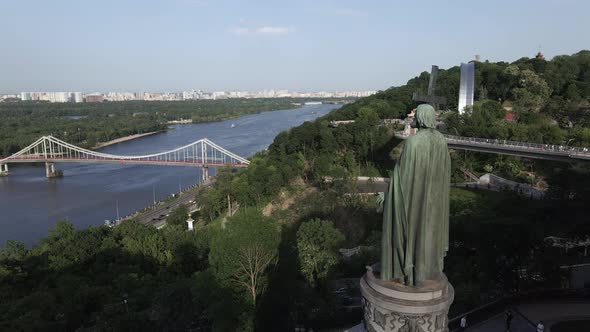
{"points": [[301, 45]]}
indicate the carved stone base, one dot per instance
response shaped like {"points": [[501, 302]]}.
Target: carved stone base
{"points": [[392, 307]]}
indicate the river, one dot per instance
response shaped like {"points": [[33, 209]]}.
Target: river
{"points": [[30, 204]]}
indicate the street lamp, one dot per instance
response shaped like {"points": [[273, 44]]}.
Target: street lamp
{"points": [[154, 193]]}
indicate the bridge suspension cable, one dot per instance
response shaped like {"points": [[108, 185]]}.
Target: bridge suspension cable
{"points": [[200, 153]]}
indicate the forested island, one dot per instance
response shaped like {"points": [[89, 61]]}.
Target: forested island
{"points": [[276, 264], [87, 124]]}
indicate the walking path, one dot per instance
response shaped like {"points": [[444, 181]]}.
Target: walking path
{"points": [[498, 324], [527, 315]]}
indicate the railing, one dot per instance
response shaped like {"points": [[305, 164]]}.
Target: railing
{"points": [[571, 151], [514, 144]]}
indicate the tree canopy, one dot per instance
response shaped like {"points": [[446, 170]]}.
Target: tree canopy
{"points": [[243, 253], [317, 244]]}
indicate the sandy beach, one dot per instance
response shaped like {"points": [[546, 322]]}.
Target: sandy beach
{"points": [[123, 139]]}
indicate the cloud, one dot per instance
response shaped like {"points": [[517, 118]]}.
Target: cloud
{"points": [[265, 30], [351, 12], [273, 31], [240, 31], [195, 2]]}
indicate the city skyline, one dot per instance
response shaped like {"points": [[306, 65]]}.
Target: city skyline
{"points": [[305, 45], [79, 97]]}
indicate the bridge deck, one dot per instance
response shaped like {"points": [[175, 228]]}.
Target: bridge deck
{"points": [[519, 149], [199, 153], [124, 161]]}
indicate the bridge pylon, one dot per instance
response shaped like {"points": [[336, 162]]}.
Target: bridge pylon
{"points": [[205, 172], [3, 169], [51, 172]]}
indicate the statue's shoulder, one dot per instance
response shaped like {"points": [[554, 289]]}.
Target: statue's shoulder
{"points": [[438, 135], [425, 137]]}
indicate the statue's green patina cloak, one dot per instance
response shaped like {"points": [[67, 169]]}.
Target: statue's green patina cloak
{"points": [[416, 208]]}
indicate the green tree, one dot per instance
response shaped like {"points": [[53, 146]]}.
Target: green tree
{"points": [[242, 254], [573, 93], [178, 216], [144, 241], [211, 202], [13, 250], [532, 92], [223, 182], [317, 245]]}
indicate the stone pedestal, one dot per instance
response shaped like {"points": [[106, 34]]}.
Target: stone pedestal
{"points": [[392, 307]]}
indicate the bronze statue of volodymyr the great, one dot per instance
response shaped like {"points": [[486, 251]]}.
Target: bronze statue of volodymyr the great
{"points": [[416, 207]]}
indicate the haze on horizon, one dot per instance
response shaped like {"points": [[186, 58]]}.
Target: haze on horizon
{"points": [[158, 45]]}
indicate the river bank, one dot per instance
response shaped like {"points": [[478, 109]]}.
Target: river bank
{"points": [[90, 193], [124, 139], [173, 122]]}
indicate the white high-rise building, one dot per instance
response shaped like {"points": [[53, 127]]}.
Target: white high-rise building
{"points": [[58, 97], [76, 97], [24, 96], [189, 95]]}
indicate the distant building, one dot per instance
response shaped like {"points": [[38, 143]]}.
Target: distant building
{"points": [[58, 97], [94, 98], [190, 95], [10, 97], [25, 96], [38, 96], [467, 86], [77, 97], [219, 95]]}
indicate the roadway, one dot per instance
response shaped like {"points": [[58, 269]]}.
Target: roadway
{"points": [[157, 217]]}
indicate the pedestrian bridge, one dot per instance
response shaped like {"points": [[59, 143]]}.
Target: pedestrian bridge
{"points": [[48, 149], [519, 149]]}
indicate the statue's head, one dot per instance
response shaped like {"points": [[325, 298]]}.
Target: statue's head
{"points": [[425, 116]]}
